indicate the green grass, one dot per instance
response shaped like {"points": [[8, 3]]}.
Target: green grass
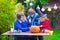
{"points": [[55, 36]]}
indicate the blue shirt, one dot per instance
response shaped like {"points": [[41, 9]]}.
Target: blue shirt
{"points": [[21, 25], [34, 20]]}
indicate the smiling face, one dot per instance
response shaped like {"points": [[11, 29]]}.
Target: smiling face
{"points": [[22, 18], [42, 19], [31, 12]]}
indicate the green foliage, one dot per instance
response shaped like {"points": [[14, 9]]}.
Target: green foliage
{"points": [[7, 9], [54, 16], [20, 7], [44, 2]]}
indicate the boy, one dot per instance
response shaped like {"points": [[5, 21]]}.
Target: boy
{"points": [[33, 20], [20, 24], [33, 17]]}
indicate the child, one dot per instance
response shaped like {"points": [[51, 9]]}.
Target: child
{"points": [[44, 21], [20, 24], [33, 17], [44, 25]]}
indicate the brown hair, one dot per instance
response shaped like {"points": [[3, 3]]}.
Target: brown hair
{"points": [[19, 14], [31, 10]]}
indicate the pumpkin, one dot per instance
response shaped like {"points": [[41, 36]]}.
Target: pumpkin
{"points": [[34, 29]]}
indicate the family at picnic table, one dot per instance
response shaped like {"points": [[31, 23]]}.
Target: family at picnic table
{"points": [[23, 23]]}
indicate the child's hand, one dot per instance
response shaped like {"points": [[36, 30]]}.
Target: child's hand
{"points": [[29, 20], [41, 26], [19, 30], [24, 17]]}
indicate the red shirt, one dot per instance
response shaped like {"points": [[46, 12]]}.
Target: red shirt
{"points": [[45, 25]]}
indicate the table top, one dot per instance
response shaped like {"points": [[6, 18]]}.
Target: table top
{"points": [[25, 34]]}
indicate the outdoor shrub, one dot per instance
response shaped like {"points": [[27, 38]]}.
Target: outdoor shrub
{"points": [[7, 9]]}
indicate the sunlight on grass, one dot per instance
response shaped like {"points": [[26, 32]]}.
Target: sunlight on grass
{"points": [[55, 36]]}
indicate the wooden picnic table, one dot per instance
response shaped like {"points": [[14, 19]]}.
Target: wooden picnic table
{"points": [[24, 34]]}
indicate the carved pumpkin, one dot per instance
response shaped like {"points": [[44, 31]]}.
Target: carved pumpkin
{"points": [[34, 29]]}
